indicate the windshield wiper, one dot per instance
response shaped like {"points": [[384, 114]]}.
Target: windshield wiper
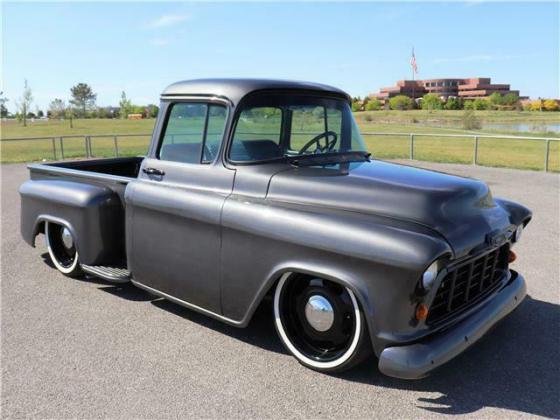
{"points": [[328, 158]]}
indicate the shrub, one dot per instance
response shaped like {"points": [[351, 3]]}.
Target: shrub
{"points": [[536, 105], [551, 105], [373, 105], [431, 101], [453, 103], [356, 106], [468, 105], [400, 102], [368, 117], [470, 121], [511, 99], [481, 104]]}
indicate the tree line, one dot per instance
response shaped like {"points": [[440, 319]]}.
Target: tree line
{"points": [[81, 104], [431, 101]]}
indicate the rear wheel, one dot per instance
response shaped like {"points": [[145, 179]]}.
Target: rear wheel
{"points": [[320, 322], [62, 249]]}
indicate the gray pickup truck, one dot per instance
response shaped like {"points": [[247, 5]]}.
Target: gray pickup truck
{"points": [[262, 188]]}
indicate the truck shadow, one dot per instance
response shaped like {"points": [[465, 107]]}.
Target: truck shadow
{"points": [[260, 332], [515, 367]]}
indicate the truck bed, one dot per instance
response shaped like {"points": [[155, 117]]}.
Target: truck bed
{"points": [[127, 167]]}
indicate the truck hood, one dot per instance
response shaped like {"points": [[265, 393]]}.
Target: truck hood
{"points": [[461, 210]]}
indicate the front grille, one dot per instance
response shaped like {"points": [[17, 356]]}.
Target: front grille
{"points": [[467, 283]]}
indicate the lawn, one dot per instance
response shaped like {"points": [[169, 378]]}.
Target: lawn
{"points": [[524, 154]]}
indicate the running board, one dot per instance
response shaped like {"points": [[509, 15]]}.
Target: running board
{"points": [[114, 274]]}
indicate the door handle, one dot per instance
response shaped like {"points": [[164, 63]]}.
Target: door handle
{"points": [[153, 171]]}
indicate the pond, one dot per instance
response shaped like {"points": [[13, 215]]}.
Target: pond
{"points": [[539, 128]]}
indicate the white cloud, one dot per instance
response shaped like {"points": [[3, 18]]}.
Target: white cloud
{"points": [[165, 21], [483, 57]]}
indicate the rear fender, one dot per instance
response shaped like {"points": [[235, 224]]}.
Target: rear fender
{"points": [[92, 213]]}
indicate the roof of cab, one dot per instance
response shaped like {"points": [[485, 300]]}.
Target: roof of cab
{"points": [[236, 89]]}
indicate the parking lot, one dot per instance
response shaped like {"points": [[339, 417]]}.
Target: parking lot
{"points": [[87, 348]]}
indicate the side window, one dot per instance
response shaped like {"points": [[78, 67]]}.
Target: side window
{"points": [[214, 132], [193, 133], [257, 134]]}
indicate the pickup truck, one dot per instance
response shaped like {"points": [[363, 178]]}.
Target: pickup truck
{"points": [[255, 189]]}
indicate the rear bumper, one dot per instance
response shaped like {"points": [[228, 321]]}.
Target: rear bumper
{"points": [[416, 360]]}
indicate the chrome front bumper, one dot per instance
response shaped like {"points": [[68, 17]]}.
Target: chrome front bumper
{"points": [[416, 360]]}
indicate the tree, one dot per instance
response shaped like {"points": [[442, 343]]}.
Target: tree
{"points": [[40, 113], [23, 104], [57, 108], [3, 109], [152, 111], [511, 99], [551, 105], [496, 100], [83, 97], [431, 101], [356, 106], [69, 115], [373, 105], [400, 102], [125, 106]]}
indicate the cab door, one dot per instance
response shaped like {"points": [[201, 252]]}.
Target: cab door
{"points": [[174, 208]]}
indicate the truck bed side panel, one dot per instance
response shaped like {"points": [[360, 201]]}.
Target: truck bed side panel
{"points": [[93, 213]]}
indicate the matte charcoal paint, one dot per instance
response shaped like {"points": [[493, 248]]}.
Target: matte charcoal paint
{"points": [[217, 237]]}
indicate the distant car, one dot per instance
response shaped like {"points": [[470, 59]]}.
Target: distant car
{"points": [[255, 188]]}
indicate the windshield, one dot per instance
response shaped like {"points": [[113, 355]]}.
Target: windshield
{"points": [[272, 127]]}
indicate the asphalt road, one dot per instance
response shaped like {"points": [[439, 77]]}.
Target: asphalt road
{"points": [[86, 348]]}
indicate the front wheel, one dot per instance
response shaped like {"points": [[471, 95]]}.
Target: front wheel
{"points": [[62, 249], [320, 322]]}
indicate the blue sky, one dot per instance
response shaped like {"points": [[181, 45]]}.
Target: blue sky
{"points": [[141, 47]]}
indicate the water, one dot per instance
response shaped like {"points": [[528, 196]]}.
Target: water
{"points": [[525, 128]]}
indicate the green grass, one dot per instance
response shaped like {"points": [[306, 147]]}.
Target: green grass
{"points": [[523, 154]]}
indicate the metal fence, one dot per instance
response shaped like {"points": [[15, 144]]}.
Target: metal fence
{"points": [[475, 142], [58, 142]]}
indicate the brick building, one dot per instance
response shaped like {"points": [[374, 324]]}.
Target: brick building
{"points": [[477, 87]]}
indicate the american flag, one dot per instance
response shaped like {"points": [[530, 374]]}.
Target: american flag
{"points": [[413, 63]]}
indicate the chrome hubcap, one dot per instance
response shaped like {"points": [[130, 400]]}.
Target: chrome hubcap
{"points": [[319, 313], [67, 238]]}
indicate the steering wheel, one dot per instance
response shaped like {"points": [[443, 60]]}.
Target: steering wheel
{"points": [[327, 147]]}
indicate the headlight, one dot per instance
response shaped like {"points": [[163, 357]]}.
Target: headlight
{"points": [[429, 276], [518, 233]]}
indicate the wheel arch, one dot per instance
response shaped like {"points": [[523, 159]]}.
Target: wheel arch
{"points": [[39, 227], [344, 278]]}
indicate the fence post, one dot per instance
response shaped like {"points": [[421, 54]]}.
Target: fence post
{"points": [[53, 148], [116, 146], [90, 152], [475, 151], [412, 147], [546, 155], [61, 148], [86, 146]]}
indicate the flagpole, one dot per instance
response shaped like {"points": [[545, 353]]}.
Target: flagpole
{"points": [[413, 83]]}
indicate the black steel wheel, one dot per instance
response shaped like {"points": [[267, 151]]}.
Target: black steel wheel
{"points": [[320, 322], [62, 249]]}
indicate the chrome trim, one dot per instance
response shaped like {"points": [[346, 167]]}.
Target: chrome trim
{"points": [[67, 238], [319, 313]]}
